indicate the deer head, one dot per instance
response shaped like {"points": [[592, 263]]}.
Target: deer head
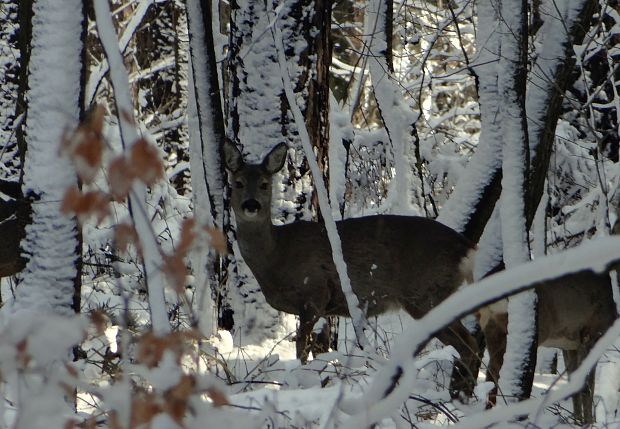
{"points": [[251, 183]]}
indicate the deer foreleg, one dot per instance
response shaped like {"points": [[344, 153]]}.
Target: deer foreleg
{"points": [[582, 400], [465, 369], [495, 333], [307, 319]]}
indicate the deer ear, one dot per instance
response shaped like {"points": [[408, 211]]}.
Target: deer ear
{"points": [[233, 160], [274, 161]]}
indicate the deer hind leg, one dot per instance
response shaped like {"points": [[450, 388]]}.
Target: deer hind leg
{"points": [[321, 341], [582, 400], [495, 333], [465, 371]]}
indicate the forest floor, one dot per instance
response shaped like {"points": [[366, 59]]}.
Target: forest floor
{"points": [[267, 376]]}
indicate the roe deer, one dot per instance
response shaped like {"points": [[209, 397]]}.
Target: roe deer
{"points": [[574, 311], [404, 262]]}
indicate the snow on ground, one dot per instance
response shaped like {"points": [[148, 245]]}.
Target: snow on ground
{"points": [[265, 379], [270, 381]]}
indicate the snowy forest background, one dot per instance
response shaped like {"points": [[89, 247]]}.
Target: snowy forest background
{"points": [[123, 304]]}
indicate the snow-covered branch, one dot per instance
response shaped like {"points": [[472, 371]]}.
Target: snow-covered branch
{"points": [[206, 132], [129, 134], [357, 315], [517, 372]]}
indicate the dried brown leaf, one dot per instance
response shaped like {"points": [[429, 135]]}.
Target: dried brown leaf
{"points": [[113, 420], [71, 370], [84, 205], [87, 157], [143, 409], [176, 398], [91, 423], [71, 424], [70, 201], [151, 347], [95, 118], [85, 145], [23, 357], [120, 178], [188, 237], [124, 235], [217, 240], [99, 321], [145, 161], [176, 271], [218, 397]]}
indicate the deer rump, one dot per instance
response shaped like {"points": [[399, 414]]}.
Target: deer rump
{"points": [[574, 311]]}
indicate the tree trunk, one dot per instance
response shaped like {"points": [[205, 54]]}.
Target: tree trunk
{"points": [[255, 88], [550, 78], [51, 241], [397, 116], [517, 373], [15, 33], [207, 133], [471, 205], [315, 61]]}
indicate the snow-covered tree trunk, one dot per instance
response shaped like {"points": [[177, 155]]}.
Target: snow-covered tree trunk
{"points": [[258, 112], [9, 81], [472, 203], [207, 132], [48, 289], [139, 212], [406, 191], [48, 281], [517, 373], [341, 136], [565, 24], [254, 116], [313, 27]]}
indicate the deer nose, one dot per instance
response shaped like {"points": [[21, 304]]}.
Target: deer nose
{"points": [[251, 207]]}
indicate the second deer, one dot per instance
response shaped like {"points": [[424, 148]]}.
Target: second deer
{"points": [[574, 311], [406, 262]]}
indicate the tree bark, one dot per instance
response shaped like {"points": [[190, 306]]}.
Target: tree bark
{"points": [[51, 241], [207, 134], [471, 204], [550, 81], [14, 212], [517, 373], [255, 88]]}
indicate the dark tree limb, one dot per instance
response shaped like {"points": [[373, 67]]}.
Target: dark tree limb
{"points": [[541, 144], [541, 138], [14, 216]]}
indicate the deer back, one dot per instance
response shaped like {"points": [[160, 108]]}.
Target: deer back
{"points": [[575, 310]]}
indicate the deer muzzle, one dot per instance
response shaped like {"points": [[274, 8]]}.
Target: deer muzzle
{"points": [[250, 207]]}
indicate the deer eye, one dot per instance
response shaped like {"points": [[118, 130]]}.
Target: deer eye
{"points": [[264, 186], [238, 184]]}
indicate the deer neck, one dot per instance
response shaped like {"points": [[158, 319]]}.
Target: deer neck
{"points": [[256, 240]]}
